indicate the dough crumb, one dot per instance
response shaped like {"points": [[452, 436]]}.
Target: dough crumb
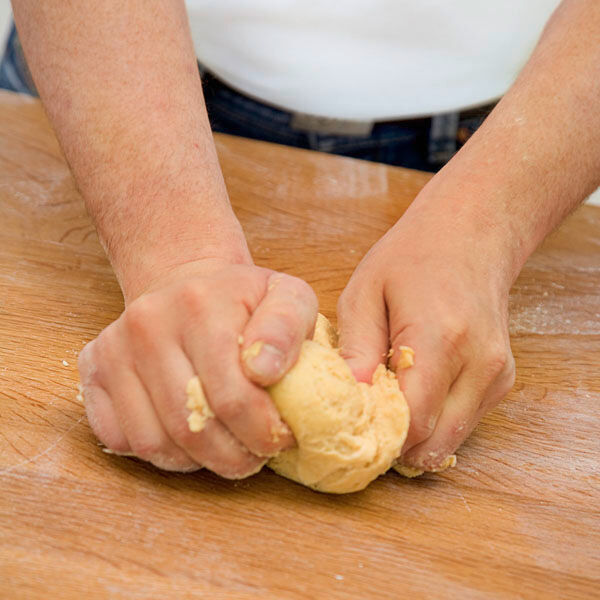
{"points": [[197, 404], [277, 431], [252, 351], [325, 334], [240, 340], [406, 471], [448, 463], [407, 357], [65, 363]]}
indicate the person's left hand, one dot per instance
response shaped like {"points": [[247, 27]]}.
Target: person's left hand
{"points": [[438, 288]]}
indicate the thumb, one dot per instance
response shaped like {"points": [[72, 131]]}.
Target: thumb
{"points": [[274, 334], [362, 322]]}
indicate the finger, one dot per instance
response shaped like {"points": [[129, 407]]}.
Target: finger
{"points": [[274, 334], [362, 320], [214, 446], [243, 407], [166, 370], [139, 422], [98, 406], [109, 361], [469, 399], [211, 341], [427, 382], [103, 419]]}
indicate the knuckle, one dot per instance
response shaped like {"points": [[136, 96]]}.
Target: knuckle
{"points": [[502, 384], [104, 354], [230, 409], [139, 316], [497, 358], [284, 329], [509, 374], [300, 289], [454, 335], [193, 297]]}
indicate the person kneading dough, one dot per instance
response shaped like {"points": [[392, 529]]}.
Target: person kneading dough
{"points": [[347, 433]]}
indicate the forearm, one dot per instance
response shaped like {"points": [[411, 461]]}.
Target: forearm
{"points": [[536, 156], [120, 83]]}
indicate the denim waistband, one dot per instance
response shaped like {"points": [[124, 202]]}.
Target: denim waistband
{"points": [[425, 143]]}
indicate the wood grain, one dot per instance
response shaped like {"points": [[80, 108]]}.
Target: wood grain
{"points": [[519, 517]]}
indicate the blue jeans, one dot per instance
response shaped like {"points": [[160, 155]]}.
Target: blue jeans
{"points": [[14, 74], [425, 144]]}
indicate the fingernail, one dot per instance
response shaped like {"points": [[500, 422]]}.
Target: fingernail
{"points": [[264, 360], [117, 453]]}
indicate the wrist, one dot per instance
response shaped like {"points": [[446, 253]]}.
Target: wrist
{"points": [[178, 272], [142, 268], [467, 230]]}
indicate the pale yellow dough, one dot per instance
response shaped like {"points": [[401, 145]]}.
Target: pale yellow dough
{"points": [[447, 463], [347, 433], [197, 404]]}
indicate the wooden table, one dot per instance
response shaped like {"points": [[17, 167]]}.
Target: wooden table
{"points": [[519, 517]]}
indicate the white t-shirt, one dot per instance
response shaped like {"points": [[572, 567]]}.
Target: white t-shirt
{"points": [[369, 59]]}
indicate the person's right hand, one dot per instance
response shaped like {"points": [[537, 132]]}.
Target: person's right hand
{"points": [[198, 321]]}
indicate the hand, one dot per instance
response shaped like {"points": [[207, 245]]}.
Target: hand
{"points": [[442, 291], [134, 374]]}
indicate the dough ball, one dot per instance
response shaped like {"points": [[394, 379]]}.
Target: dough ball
{"points": [[347, 433]]}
